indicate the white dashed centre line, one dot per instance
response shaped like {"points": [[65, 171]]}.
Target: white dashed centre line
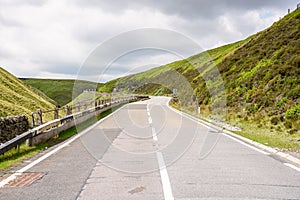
{"points": [[161, 163]]}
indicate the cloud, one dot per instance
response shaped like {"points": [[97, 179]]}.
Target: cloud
{"points": [[190, 9], [41, 38], [22, 2]]}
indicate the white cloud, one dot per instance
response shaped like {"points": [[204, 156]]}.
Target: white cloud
{"points": [[52, 38]]}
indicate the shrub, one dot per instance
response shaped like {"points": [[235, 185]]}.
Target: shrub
{"points": [[293, 112], [292, 131], [274, 120], [254, 108], [293, 93], [288, 124], [281, 118], [295, 61], [281, 102]]}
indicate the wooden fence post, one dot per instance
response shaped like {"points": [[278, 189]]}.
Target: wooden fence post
{"points": [[32, 116], [39, 116], [68, 110], [56, 112]]}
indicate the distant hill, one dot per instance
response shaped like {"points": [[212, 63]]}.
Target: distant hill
{"points": [[60, 91], [261, 76], [17, 98]]}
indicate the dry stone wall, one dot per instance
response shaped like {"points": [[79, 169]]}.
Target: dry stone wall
{"points": [[12, 126]]}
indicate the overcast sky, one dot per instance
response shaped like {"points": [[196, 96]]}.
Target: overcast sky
{"points": [[53, 38]]}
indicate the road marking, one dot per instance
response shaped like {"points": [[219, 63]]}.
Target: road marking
{"points": [[164, 177], [247, 145], [67, 143], [168, 195], [188, 117], [233, 138], [150, 120], [154, 134], [292, 166]]}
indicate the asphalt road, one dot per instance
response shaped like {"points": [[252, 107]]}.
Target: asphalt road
{"points": [[147, 151]]}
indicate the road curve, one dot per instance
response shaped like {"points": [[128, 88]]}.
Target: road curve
{"points": [[146, 150]]}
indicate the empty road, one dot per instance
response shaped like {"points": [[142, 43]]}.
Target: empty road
{"points": [[146, 150]]}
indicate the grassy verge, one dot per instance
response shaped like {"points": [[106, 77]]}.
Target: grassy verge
{"points": [[263, 131], [16, 156], [257, 128]]}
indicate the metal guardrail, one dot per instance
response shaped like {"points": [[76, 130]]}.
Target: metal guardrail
{"points": [[16, 142], [19, 139]]}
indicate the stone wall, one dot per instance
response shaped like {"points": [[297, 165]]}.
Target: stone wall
{"points": [[12, 126]]}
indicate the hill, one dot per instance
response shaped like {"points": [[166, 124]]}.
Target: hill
{"points": [[60, 91], [260, 76], [17, 98]]}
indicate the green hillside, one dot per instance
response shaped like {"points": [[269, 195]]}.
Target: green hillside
{"points": [[60, 91], [261, 81], [17, 98], [195, 66]]}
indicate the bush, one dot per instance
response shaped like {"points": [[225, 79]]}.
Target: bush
{"points": [[292, 131], [295, 61], [288, 124], [293, 93], [293, 112], [254, 108], [274, 120], [281, 118], [281, 102]]}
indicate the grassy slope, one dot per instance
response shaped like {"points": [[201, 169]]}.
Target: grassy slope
{"points": [[17, 98], [266, 70], [60, 91], [263, 79], [261, 76]]}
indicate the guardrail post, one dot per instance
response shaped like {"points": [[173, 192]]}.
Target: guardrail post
{"points": [[56, 112], [29, 141], [39, 116]]}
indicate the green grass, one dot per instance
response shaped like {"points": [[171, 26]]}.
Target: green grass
{"points": [[17, 98], [263, 136], [16, 156], [61, 91], [258, 129], [266, 130]]}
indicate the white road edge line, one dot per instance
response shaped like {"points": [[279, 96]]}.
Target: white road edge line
{"points": [[68, 142], [201, 123], [292, 166], [247, 145], [168, 195]]}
